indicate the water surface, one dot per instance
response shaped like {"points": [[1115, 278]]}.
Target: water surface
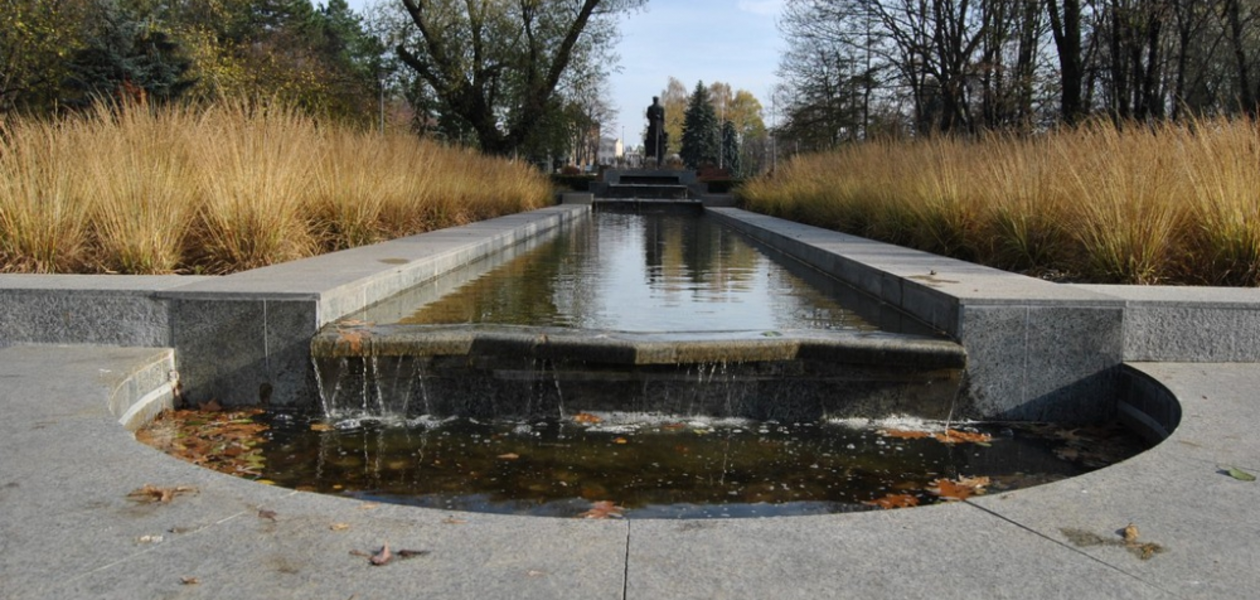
{"points": [[659, 272]]}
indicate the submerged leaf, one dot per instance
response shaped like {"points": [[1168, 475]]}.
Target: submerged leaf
{"points": [[960, 489], [904, 434], [892, 501], [604, 509], [953, 436]]}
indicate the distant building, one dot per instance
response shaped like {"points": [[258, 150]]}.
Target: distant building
{"points": [[610, 150]]}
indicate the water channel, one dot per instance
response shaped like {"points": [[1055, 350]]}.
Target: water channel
{"points": [[531, 413]]}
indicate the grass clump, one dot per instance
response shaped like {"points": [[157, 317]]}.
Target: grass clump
{"points": [[1164, 204], [229, 187]]}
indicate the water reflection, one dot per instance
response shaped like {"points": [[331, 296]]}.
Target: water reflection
{"points": [[647, 273]]}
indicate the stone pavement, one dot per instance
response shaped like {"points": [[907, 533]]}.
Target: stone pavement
{"points": [[67, 529]]}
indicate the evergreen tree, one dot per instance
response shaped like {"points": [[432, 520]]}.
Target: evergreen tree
{"points": [[700, 130], [730, 148], [126, 58]]}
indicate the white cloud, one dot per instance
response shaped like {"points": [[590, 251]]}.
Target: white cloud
{"points": [[762, 7]]}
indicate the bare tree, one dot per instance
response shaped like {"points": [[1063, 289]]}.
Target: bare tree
{"points": [[497, 63]]}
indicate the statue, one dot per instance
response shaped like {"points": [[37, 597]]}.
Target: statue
{"points": [[657, 139]]}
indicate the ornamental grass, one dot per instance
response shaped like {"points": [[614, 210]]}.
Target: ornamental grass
{"points": [[1162, 204], [229, 187]]}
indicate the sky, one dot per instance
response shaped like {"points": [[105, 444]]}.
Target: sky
{"points": [[733, 41]]}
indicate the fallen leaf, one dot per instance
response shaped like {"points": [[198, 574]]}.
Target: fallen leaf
{"points": [[211, 406], [150, 493], [321, 427], [586, 418], [604, 509], [339, 526], [904, 434], [621, 440], [267, 514], [1239, 474], [892, 501], [383, 557], [354, 337], [453, 521], [509, 456], [1130, 533], [369, 505], [189, 580], [961, 489], [953, 436], [1143, 551]]}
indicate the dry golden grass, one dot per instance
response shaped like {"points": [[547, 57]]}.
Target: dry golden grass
{"points": [[1169, 204], [229, 187]]}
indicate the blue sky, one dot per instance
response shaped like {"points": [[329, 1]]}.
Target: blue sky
{"points": [[733, 41]]}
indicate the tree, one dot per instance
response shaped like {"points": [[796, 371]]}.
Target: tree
{"points": [[125, 59], [36, 39], [700, 143], [674, 99], [730, 148], [496, 64]]}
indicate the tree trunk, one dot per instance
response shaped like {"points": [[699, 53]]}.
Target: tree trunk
{"points": [[1065, 24]]}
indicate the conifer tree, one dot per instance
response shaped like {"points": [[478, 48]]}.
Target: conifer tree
{"points": [[700, 138]]}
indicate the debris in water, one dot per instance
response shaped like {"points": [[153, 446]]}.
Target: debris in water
{"points": [[892, 501], [959, 489], [604, 509]]}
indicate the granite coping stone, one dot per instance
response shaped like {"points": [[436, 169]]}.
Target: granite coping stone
{"points": [[354, 267], [67, 529], [968, 283], [619, 347]]}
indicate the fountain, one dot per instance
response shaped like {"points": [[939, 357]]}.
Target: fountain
{"points": [[629, 358]]}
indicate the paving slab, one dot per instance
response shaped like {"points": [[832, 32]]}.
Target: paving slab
{"points": [[1176, 493], [954, 551]]}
